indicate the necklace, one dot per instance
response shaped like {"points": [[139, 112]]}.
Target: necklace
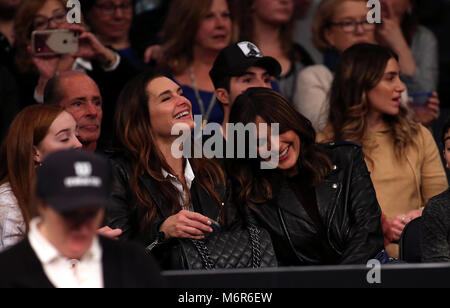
{"points": [[200, 101]]}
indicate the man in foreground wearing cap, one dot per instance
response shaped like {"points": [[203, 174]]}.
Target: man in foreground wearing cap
{"points": [[62, 248], [239, 67]]}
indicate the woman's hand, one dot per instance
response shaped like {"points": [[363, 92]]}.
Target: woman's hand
{"points": [[390, 33], [428, 113], [186, 224], [153, 53], [109, 233], [393, 228], [47, 66], [90, 48], [396, 226]]}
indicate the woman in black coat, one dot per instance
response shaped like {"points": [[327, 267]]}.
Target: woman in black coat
{"points": [[160, 196], [317, 201]]}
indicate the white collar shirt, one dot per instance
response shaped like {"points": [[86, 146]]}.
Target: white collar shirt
{"points": [[63, 272], [189, 178]]}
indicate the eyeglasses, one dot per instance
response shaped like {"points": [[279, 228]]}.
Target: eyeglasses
{"points": [[110, 8], [351, 26], [42, 23]]}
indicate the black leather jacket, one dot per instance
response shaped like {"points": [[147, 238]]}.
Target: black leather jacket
{"points": [[347, 206]]}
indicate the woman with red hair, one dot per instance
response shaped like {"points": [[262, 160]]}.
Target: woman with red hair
{"points": [[36, 132]]}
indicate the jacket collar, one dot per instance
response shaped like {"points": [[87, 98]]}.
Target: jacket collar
{"points": [[326, 195], [201, 200]]}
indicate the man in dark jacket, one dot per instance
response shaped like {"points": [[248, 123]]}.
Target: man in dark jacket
{"points": [[62, 248]]}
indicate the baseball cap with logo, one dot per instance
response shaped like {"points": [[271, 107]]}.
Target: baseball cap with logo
{"points": [[73, 179], [235, 59]]}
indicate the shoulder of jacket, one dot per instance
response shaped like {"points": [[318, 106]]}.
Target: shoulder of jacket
{"points": [[116, 155]]}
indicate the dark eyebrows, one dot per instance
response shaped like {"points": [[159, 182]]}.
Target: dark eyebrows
{"points": [[391, 74], [164, 93], [179, 90]]}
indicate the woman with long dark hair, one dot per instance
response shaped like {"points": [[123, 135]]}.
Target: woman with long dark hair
{"points": [[158, 195], [401, 154], [318, 203]]}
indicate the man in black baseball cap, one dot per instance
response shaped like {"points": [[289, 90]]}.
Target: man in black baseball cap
{"points": [[62, 248], [238, 67], [74, 180]]}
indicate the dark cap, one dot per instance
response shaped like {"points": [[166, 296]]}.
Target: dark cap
{"points": [[74, 179], [235, 59]]}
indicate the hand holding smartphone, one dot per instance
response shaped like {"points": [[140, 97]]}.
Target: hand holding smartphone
{"points": [[46, 43]]}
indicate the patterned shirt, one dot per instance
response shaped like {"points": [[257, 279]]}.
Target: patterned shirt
{"points": [[12, 224]]}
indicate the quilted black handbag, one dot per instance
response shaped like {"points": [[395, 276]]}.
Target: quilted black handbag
{"points": [[245, 247]]}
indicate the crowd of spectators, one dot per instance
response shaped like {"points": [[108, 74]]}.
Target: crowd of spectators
{"points": [[356, 158]]}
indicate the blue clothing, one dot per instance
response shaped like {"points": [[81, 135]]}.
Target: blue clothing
{"points": [[331, 59], [131, 56], [216, 115]]}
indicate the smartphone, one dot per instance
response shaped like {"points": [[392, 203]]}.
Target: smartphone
{"points": [[215, 226], [46, 43], [420, 99]]}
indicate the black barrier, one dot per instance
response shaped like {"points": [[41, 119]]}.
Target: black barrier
{"points": [[386, 276]]}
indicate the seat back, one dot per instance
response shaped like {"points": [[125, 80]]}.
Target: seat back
{"points": [[410, 249]]}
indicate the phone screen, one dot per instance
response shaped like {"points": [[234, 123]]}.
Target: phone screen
{"points": [[54, 42], [420, 99]]}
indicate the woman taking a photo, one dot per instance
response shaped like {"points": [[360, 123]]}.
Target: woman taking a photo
{"points": [[159, 196], [318, 204], [338, 25], [101, 63], [36, 132], [401, 154]]}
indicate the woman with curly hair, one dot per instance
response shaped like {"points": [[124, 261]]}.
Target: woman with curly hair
{"points": [[401, 154]]}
